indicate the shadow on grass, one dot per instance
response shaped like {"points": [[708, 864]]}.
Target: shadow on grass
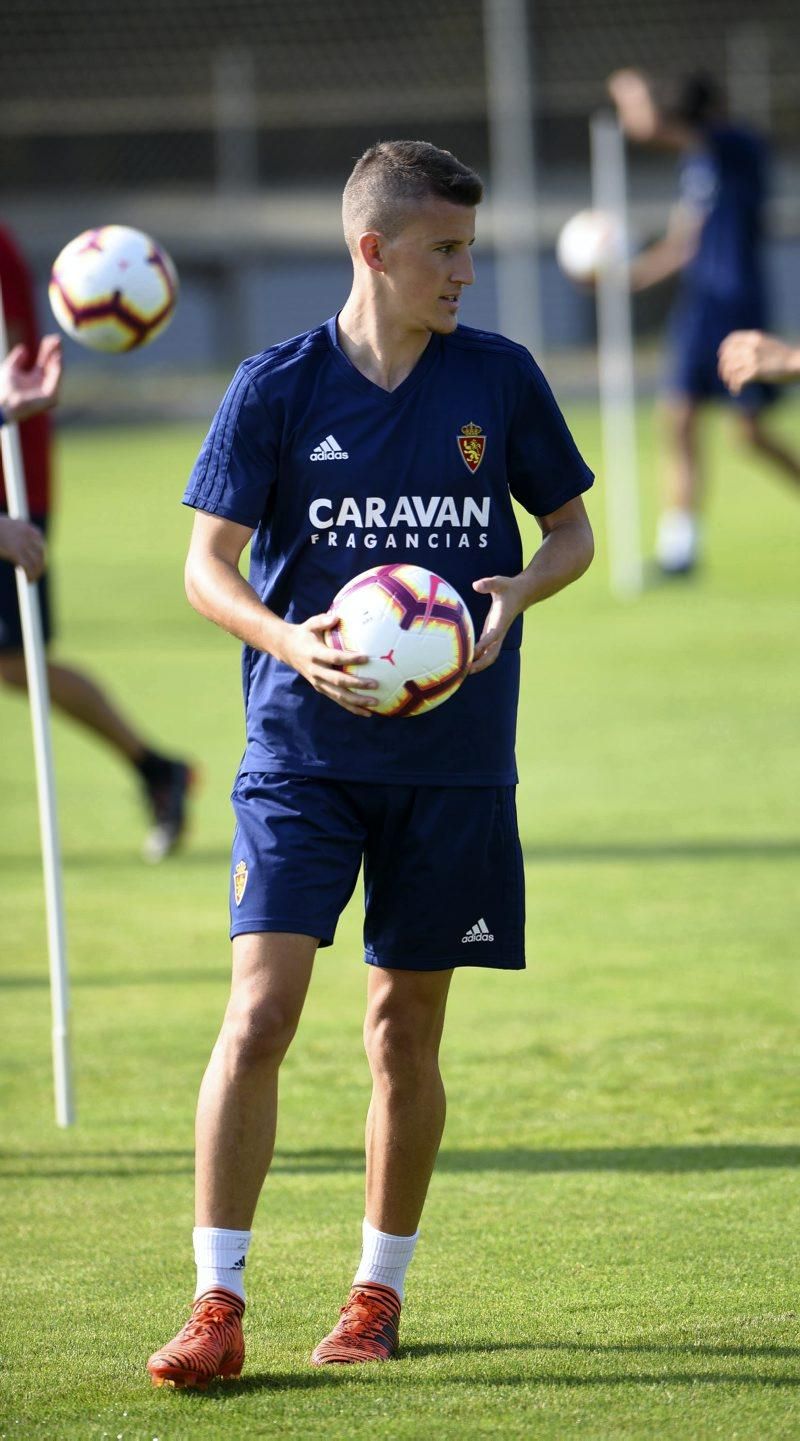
{"points": [[641, 1160], [743, 848], [712, 848], [589, 1348], [532, 1375], [185, 975]]}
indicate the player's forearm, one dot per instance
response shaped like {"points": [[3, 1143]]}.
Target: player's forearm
{"points": [[218, 591], [659, 262], [565, 553]]}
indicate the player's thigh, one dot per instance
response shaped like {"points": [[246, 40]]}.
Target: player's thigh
{"points": [[444, 880], [296, 855], [270, 976]]}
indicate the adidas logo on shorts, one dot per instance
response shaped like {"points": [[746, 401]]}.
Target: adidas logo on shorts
{"points": [[329, 449], [479, 932]]}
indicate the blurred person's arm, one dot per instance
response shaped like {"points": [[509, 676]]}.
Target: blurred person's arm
{"points": [[668, 256], [22, 544], [25, 391], [747, 355], [645, 122]]}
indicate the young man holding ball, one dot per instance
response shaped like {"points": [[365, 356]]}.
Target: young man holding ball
{"points": [[393, 386]]}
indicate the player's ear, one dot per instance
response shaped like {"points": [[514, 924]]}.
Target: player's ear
{"points": [[371, 247]]}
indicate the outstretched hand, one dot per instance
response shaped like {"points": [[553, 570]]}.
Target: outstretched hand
{"points": [[26, 391], [324, 668], [505, 607], [747, 355]]}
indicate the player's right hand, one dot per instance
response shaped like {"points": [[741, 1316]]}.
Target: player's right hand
{"points": [[323, 667], [22, 544]]}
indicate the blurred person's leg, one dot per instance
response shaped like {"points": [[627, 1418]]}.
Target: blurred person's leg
{"points": [[166, 781], [751, 432], [677, 539]]}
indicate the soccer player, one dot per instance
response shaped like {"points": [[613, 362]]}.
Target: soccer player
{"points": [[389, 433], [165, 781], [715, 243], [748, 355]]}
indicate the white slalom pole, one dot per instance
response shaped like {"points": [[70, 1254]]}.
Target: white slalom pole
{"points": [[31, 617], [616, 367], [510, 108]]}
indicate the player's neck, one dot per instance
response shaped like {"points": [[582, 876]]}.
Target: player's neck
{"points": [[383, 351]]}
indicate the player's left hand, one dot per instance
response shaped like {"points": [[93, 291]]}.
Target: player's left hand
{"points": [[505, 607]]}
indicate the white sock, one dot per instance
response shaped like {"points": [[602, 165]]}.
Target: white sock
{"points": [[677, 539], [384, 1258], [220, 1257]]}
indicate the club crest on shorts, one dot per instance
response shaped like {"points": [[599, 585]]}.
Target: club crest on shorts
{"points": [[471, 443], [239, 881]]}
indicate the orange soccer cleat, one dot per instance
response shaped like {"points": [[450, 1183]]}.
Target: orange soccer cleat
{"points": [[210, 1345], [367, 1330]]}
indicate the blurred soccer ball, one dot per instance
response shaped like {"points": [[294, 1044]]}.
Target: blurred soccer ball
{"points": [[416, 630], [588, 244], [113, 288]]}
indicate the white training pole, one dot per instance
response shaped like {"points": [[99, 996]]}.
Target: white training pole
{"points": [[33, 642], [616, 366], [510, 103]]}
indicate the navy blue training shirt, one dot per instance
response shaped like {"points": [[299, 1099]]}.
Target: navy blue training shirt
{"points": [[724, 183], [336, 475]]}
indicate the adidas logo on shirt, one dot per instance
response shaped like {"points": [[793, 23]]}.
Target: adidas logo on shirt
{"points": [[479, 932], [329, 449]]}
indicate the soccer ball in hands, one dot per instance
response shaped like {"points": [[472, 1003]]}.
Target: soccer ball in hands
{"points": [[589, 243], [113, 288], [416, 630]]}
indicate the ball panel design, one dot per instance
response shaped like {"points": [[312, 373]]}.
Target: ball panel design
{"points": [[416, 630], [113, 288]]}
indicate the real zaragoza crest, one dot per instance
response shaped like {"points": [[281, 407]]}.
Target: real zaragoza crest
{"points": [[471, 443], [239, 881]]}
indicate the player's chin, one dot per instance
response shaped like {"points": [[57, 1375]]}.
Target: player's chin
{"points": [[444, 322]]}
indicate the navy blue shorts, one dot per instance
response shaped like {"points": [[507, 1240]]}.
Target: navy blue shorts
{"points": [[697, 329], [443, 869], [10, 623]]}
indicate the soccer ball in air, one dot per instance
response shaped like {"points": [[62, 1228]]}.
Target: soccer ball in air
{"points": [[113, 288], [416, 630], [588, 244]]}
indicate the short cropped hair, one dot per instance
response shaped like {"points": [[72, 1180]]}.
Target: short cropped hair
{"points": [[393, 176], [700, 98]]}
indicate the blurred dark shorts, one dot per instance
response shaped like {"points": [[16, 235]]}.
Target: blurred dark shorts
{"points": [[10, 624], [697, 329]]}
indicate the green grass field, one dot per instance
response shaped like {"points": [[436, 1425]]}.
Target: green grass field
{"points": [[611, 1241]]}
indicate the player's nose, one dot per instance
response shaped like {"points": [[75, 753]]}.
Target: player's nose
{"points": [[464, 270]]}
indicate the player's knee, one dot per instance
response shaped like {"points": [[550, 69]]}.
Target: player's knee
{"points": [[678, 422], [749, 432], [257, 1031], [400, 1046], [12, 669]]}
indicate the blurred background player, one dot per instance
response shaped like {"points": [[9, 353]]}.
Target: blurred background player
{"points": [[714, 241], [748, 355], [25, 392], [166, 781]]}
